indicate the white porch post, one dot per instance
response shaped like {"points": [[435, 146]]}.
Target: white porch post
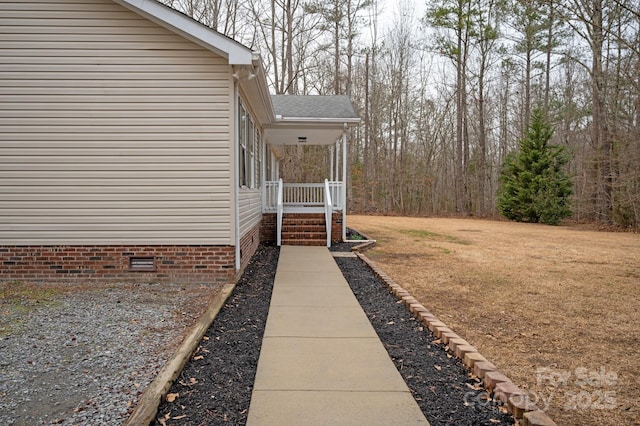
{"points": [[344, 183], [337, 159], [332, 155]]}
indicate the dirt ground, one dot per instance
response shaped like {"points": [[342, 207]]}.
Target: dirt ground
{"points": [[555, 308]]}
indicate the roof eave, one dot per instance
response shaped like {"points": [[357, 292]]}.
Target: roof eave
{"points": [[256, 89]]}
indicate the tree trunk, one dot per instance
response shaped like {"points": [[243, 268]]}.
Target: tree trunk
{"points": [[600, 133], [459, 161], [548, 47]]}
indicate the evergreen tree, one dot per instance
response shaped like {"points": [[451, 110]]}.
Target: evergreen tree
{"points": [[535, 187]]}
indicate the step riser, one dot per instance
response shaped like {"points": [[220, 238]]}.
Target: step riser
{"points": [[304, 236], [306, 228], [304, 242], [303, 222]]}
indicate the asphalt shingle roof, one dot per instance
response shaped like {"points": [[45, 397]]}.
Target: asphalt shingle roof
{"points": [[313, 106]]}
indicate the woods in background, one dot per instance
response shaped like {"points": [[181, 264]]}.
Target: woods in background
{"points": [[446, 94]]}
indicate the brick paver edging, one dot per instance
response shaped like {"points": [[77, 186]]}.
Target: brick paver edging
{"points": [[496, 383], [367, 243]]}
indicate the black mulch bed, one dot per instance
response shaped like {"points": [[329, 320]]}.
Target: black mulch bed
{"points": [[440, 383], [215, 385]]}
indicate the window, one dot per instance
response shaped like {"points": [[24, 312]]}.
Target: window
{"points": [[242, 148], [251, 144], [249, 149]]}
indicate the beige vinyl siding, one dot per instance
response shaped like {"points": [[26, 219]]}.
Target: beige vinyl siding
{"points": [[250, 195], [113, 130], [250, 209]]}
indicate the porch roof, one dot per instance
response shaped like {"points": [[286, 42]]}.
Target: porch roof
{"points": [[309, 120]]}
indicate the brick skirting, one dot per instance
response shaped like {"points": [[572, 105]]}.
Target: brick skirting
{"points": [[188, 263], [248, 245]]}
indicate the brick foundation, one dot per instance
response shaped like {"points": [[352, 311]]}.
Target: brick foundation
{"points": [[249, 244], [268, 228], [181, 263], [336, 227], [189, 263]]}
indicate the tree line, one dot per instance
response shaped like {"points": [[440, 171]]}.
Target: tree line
{"points": [[446, 94]]}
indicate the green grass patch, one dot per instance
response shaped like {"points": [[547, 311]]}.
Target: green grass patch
{"points": [[427, 235], [442, 249], [18, 299], [19, 292], [374, 253]]}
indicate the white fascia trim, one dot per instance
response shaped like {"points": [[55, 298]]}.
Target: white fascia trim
{"points": [[283, 122], [175, 21]]}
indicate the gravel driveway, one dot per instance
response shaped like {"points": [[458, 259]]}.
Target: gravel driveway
{"points": [[84, 355]]}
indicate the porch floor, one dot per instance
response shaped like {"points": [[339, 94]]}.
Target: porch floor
{"points": [[321, 361]]}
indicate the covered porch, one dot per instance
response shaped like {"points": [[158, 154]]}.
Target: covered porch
{"points": [[307, 213]]}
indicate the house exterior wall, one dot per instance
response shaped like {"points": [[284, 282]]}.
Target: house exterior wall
{"points": [[250, 198], [250, 209], [114, 132], [248, 245], [250, 216]]}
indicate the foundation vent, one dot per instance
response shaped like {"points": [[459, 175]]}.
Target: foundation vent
{"points": [[142, 263]]}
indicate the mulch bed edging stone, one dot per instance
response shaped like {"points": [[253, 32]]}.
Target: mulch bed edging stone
{"points": [[497, 384]]}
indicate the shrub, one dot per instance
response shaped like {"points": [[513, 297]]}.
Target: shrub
{"points": [[534, 186]]}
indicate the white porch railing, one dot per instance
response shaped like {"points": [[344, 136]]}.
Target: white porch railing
{"points": [[328, 211], [279, 213], [302, 197]]}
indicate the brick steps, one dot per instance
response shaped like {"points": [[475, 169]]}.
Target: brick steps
{"points": [[304, 230]]}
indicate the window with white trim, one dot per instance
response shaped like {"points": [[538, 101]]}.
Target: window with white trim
{"points": [[242, 145], [249, 149]]}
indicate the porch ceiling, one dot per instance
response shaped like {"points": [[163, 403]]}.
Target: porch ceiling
{"points": [[302, 135]]}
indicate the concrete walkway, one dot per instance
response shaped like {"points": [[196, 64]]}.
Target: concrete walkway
{"points": [[321, 362]]}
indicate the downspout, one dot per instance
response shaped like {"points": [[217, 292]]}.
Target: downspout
{"points": [[236, 173]]}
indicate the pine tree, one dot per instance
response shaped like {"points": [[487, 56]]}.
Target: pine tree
{"points": [[534, 186]]}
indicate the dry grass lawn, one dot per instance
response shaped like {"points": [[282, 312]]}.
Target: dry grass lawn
{"points": [[555, 308]]}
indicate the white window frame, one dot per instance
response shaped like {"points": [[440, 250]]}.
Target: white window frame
{"points": [[249, 150]]}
